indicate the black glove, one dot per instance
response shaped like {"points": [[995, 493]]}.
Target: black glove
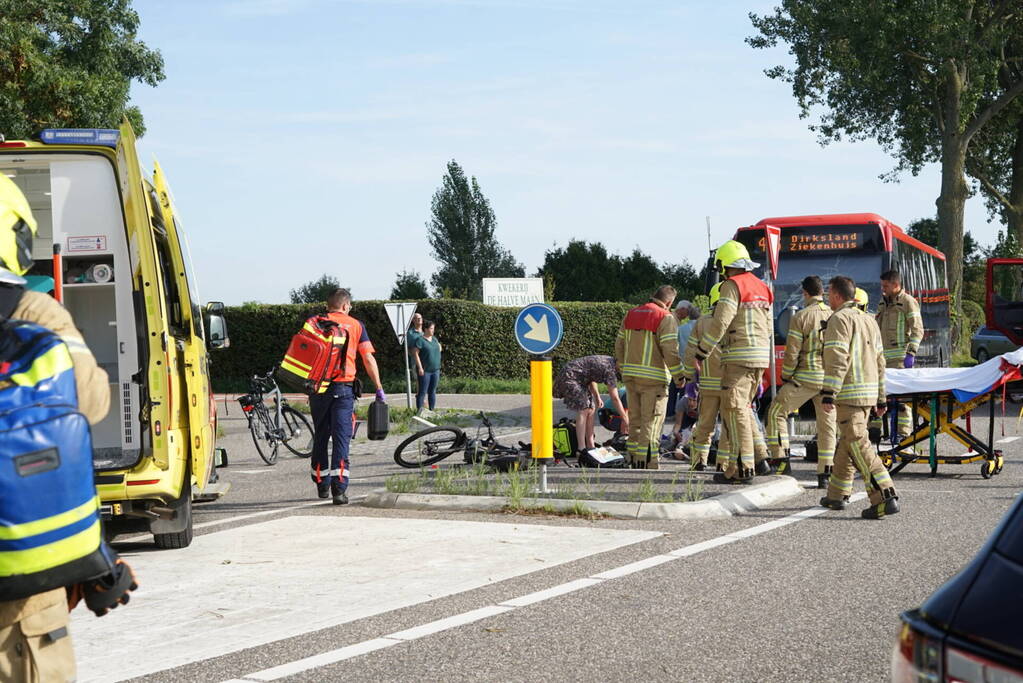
{"points": [[106, 593]]}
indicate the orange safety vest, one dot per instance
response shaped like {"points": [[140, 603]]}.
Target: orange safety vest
{"points": [[646, 317], [346, 346], [753, 293]]}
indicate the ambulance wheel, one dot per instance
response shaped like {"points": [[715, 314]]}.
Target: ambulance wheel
{"points": [[987, 469], [179, 539]]}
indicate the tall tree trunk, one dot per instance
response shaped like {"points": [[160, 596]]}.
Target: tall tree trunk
{"points": [[1014, 213], [951, 207]]}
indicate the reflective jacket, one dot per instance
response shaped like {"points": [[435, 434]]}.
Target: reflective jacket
{"points": [[710, 374], [647, 344], [93, 402], [853, 358], [902, 328], [803, 362], [741, 323]]}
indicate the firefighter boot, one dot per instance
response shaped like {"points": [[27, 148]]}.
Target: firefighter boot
{"points": [[783, 465], [888, 506], [323, 488], [822, 478], [763, 468], [833, 504]]}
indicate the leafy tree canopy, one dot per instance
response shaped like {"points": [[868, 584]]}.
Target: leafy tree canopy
{"points": [[315, 292], [585, 271], [461, 233], [409, 286], [69, 64]]}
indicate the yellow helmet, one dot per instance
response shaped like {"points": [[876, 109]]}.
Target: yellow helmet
{"points": [[17, 227], [733, 254], [715, 293], [861, 299]]}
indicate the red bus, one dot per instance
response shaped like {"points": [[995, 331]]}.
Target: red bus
{"points": [[860, 246]]}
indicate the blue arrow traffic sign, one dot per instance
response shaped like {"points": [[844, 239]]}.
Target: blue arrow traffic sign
{"points": [[538, 329]]}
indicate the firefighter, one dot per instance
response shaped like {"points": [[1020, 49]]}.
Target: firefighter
{"points": [[44, 652], [708, 382], [743, 313], [802, 373], [853, 383], [646, 350], [902, 329]]}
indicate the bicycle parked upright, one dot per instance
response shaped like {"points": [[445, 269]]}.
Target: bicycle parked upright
{"points": [[279, 423]]}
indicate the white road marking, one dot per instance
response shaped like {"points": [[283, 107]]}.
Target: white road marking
{"points": [[540, 596], [444, 624], [1009, 439], [439, 625], [258, 583], [265, 470]]}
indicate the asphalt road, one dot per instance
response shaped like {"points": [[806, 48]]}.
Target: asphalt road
{"points": [[814, 598]]}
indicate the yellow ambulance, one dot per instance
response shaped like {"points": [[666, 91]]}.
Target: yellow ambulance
{"points": [[111, 241]]}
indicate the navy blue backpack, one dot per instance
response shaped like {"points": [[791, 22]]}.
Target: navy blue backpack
{"points": [[50, 534]]}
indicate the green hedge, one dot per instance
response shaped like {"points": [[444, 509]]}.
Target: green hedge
{"points": [[478, 340]]}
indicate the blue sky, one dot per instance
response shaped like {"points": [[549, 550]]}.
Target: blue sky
{"points": [[304, 137]]}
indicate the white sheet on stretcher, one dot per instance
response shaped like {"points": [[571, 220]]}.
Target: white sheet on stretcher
{"points": [[976, 380]]}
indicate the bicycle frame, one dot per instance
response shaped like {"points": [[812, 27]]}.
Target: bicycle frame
{"points": [[257, 385]]}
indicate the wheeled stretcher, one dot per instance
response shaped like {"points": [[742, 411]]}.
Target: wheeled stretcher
{"points": [[940, 398]]}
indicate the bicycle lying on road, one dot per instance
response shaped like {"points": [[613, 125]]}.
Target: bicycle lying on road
{"points": [[433, 444], [276, 424]]}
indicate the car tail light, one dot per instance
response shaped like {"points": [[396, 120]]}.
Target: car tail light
{"points": [[916, 658], [963, 667]]}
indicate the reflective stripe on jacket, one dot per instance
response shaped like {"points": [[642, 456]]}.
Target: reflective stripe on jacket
{"points": [[804, 360], [647, 344], [741, 323], [853, 358], [902, 327]]}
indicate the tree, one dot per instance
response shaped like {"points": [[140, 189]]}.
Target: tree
{"points": [[315, 292], [70, 65], [684, 278], [461, 233], [920, 78], [409, 285], [583, 271]]}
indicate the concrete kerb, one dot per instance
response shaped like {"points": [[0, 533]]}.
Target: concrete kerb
{"points": [[748, 498]]}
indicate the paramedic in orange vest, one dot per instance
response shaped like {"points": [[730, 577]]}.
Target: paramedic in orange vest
{"points": [[742, 326], [334, 409], [646, 350]]}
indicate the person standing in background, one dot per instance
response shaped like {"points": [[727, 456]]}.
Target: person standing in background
{"points": [[413, 334], [686, 314], [427, 359]]}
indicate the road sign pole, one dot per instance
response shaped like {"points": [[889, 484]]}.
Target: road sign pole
{"points": [[408, 375], [542, 403]]}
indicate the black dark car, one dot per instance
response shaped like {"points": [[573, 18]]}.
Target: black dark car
{"points": [[971, 629]]}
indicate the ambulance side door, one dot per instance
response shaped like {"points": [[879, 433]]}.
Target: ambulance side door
{"points": [[196, 366]]}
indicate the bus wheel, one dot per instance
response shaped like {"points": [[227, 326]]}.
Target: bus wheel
{"points": [[181, 537]]}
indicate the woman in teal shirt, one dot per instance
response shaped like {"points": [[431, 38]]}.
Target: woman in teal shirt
{"points": [[427, 353]]}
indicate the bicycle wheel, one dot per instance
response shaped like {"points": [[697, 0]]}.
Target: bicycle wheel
{"points": [[298, 432], [429, 446], [266, 444]]}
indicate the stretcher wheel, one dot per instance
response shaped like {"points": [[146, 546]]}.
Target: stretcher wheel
{"points": [[999, 462], [987, 470], [887, 460]]}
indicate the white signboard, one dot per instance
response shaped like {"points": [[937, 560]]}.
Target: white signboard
{"points": [[400, 316], [512, 291]]}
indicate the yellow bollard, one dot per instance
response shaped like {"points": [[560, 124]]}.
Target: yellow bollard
{"points": [[542, 404]]}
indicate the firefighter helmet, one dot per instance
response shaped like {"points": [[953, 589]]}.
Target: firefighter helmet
{"points": [[715, 293], [17, 227], [733, 254], [861, 299]]}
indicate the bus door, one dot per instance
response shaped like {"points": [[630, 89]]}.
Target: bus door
{"points": [[189, 335], [1004, 297]]}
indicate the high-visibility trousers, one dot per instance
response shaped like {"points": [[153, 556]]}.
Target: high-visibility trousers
{"points": [[856, 453], [739, 386], [905, 425], [647, 401], [790, 398]]}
